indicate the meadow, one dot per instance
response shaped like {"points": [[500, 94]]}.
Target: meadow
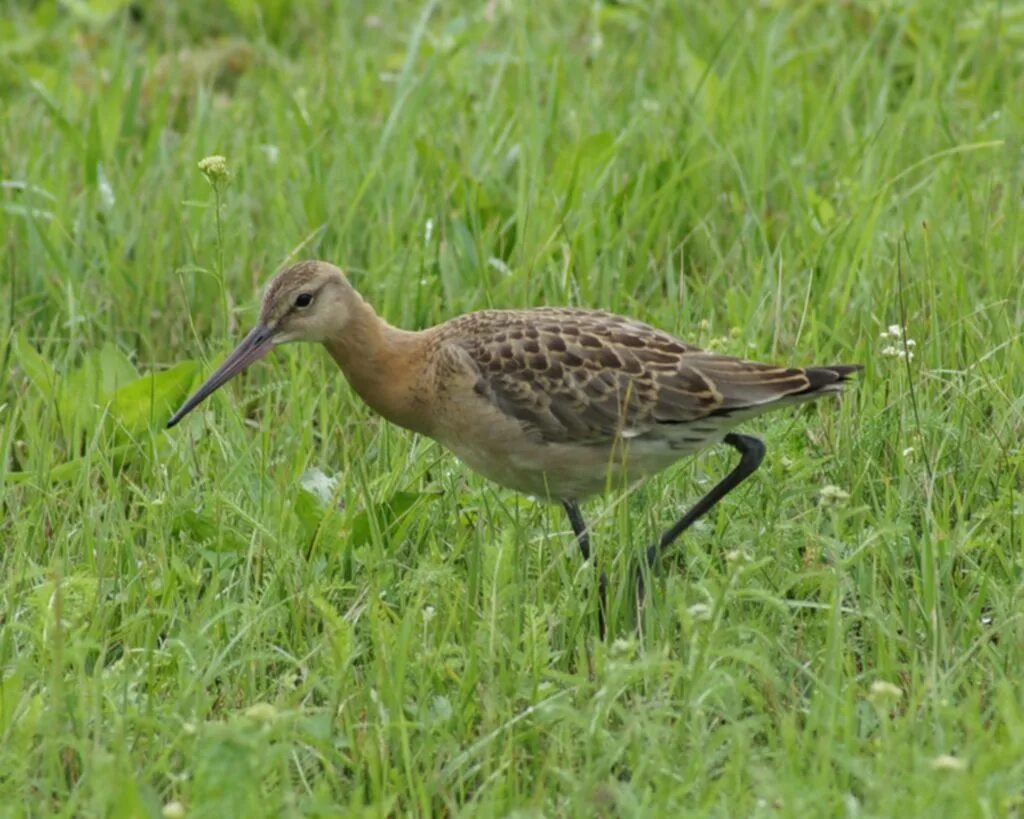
{"points": [[287, 607]]}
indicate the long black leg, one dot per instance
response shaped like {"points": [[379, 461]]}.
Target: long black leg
{"points": [[751, 451], [579, 527]]}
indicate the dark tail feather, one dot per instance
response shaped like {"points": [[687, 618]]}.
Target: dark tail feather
{"points": [[829, 379]]}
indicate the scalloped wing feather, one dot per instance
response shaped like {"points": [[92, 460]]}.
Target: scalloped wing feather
{"points": [[587, 376]]}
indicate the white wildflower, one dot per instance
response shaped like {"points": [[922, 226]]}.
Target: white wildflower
{"points": [[833, 495], [428, 231], [700, 611], [882, 693], [500, 266], [318, 483], [948, 762], [271, 152], [902, 347], [623, 647], [105, 188], [173, 810], [893, 351]]}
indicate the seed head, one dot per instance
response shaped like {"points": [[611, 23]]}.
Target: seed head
{"points": [[173, 810], [215, 169], [261, 712], [884, 693]]}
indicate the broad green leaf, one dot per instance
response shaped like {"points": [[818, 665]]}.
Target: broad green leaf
{"points": [[69, 469], [309, 511], [115, 369], [80, 399], [150, 400], [40, 373], [316, 494], [388, 514], [204, 530], [822, 208], [94, 12], [700, 82]]}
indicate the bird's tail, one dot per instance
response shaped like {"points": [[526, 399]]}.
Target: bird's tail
{"points": [[828, 379]]}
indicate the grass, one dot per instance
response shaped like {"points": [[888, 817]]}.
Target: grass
{"points": [[188, 628]]}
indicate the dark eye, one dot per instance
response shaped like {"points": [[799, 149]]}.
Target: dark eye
{"points": [[303, 299]]}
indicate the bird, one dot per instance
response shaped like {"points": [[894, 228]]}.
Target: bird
{"points": [[555, 402]]}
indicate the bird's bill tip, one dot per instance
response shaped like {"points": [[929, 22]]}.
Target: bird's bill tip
{"points": [[254, 346]]}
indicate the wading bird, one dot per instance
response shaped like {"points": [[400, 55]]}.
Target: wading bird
{"points": [[556, 402]]}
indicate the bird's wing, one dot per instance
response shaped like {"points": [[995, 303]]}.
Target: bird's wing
{"points": [[580, 376]]}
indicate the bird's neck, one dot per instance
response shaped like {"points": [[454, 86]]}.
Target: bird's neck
{"points": [[384, 364]]}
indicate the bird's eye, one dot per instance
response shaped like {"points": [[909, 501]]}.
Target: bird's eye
{"points": [[303, 299]]}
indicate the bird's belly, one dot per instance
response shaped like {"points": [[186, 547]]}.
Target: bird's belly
{"points": [[544, 470], [569, 471]]}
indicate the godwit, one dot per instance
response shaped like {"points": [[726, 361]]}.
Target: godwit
{"points": [[556, 402]]}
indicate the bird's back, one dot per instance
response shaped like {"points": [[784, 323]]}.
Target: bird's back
{"points": [[580, 376]]}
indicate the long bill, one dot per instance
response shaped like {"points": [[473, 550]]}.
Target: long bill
{"points": [[254, 346]]}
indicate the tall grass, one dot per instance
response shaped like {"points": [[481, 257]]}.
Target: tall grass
{"points": [[288, 607]]}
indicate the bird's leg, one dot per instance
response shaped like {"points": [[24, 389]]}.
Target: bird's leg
{"points": [[751, 451], [579, 527]]}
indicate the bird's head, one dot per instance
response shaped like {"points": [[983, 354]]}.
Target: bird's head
{"points": [[310, 301]]}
